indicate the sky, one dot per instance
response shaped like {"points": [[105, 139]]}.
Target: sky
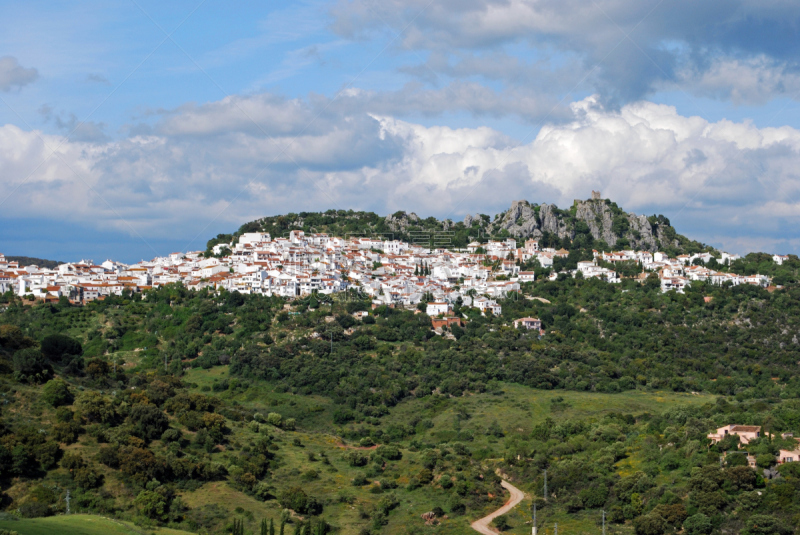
{"points": [[130, 129]]}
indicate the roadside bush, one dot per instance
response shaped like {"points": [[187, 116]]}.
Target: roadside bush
{"points": [[501, 522]]}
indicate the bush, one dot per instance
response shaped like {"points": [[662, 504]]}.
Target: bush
{"points": [[649, 525], [355, 458], [56, 393], [148, 421], [390, 453], [275, 419], [151, 504], [56, 346], [296, 499], [501, 522], [574, 504], [765, 525], [30, 364], [171, 435], [698, 524], [35, 510]]}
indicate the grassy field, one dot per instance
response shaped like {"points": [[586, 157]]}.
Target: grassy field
{"points": [[80, 525]]}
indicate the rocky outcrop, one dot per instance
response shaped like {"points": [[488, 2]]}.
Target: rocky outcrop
{"points": [[399, 222], [605, 221]]}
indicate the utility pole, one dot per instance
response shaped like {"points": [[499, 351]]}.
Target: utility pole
{"points": [[534, 530], [604, 522], [545, 485], [556, 529], [67, 500]]}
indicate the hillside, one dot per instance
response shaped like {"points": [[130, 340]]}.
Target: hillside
{"points": [[190, 410], [598, 223], [30, 261]]}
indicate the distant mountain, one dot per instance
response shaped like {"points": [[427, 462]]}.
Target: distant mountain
{"points": [[594, 223], [30, 261]]}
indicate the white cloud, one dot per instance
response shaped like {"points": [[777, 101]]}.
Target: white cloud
{"points": [[729, 182], [13, 75]]}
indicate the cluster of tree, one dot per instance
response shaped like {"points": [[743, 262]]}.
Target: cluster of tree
{"points": [[680, 483]]}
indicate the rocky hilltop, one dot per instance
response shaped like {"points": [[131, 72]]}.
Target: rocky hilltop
{"points": [[593, 223], [601, 218]]}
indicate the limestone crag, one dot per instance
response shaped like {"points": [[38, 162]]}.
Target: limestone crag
{"points": [[603, 218], [400, 221]]}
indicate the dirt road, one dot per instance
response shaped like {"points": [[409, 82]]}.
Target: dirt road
{"points": [[482, 525]]}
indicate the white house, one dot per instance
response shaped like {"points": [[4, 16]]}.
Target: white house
{"points": [[436, 308], [528, 323], [780, 258]]}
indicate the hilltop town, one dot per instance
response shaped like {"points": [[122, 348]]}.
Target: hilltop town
{"points": [[391, 272]]}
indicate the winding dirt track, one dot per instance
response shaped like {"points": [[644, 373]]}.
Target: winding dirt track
{"points": [[482, 525]]}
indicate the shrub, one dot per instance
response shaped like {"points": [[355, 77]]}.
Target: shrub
{"points": [[34, 510], [649, 525], [275, 419], [56, 393], [765, 525], [574, 504], [501, 522], [148, 421], [390, 453], [698, 524], [355, 458], [31, 365], [151, 504], [171, 435], [296, 499], [56, 346]]}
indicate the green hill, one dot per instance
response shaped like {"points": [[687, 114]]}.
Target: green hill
{"points": [[192, 410], [598, 224]]}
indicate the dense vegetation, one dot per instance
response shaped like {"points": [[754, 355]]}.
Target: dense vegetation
{"points": [[31, 261], [432, 232], [197, 410]]}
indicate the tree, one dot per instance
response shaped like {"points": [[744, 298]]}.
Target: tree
{"points": [[275, 419], [56, 393], [501, 522], [148, 421], [56, 346], [30, 364], [765, 525], [649, 525], [698, 524], [151, 504], [95, 407], [97, 368]]}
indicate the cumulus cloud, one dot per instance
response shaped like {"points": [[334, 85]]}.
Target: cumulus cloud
{"points": [[730, 183], [629, 48], [13, 75]]}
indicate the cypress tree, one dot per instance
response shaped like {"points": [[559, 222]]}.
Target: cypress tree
{"points": [[271, 527]]}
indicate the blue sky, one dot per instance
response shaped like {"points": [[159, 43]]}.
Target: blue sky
{"points": [[134, 128]]}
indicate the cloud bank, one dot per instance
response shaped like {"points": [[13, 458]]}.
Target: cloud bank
{"points": [[244, 157], [628, 48]]}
